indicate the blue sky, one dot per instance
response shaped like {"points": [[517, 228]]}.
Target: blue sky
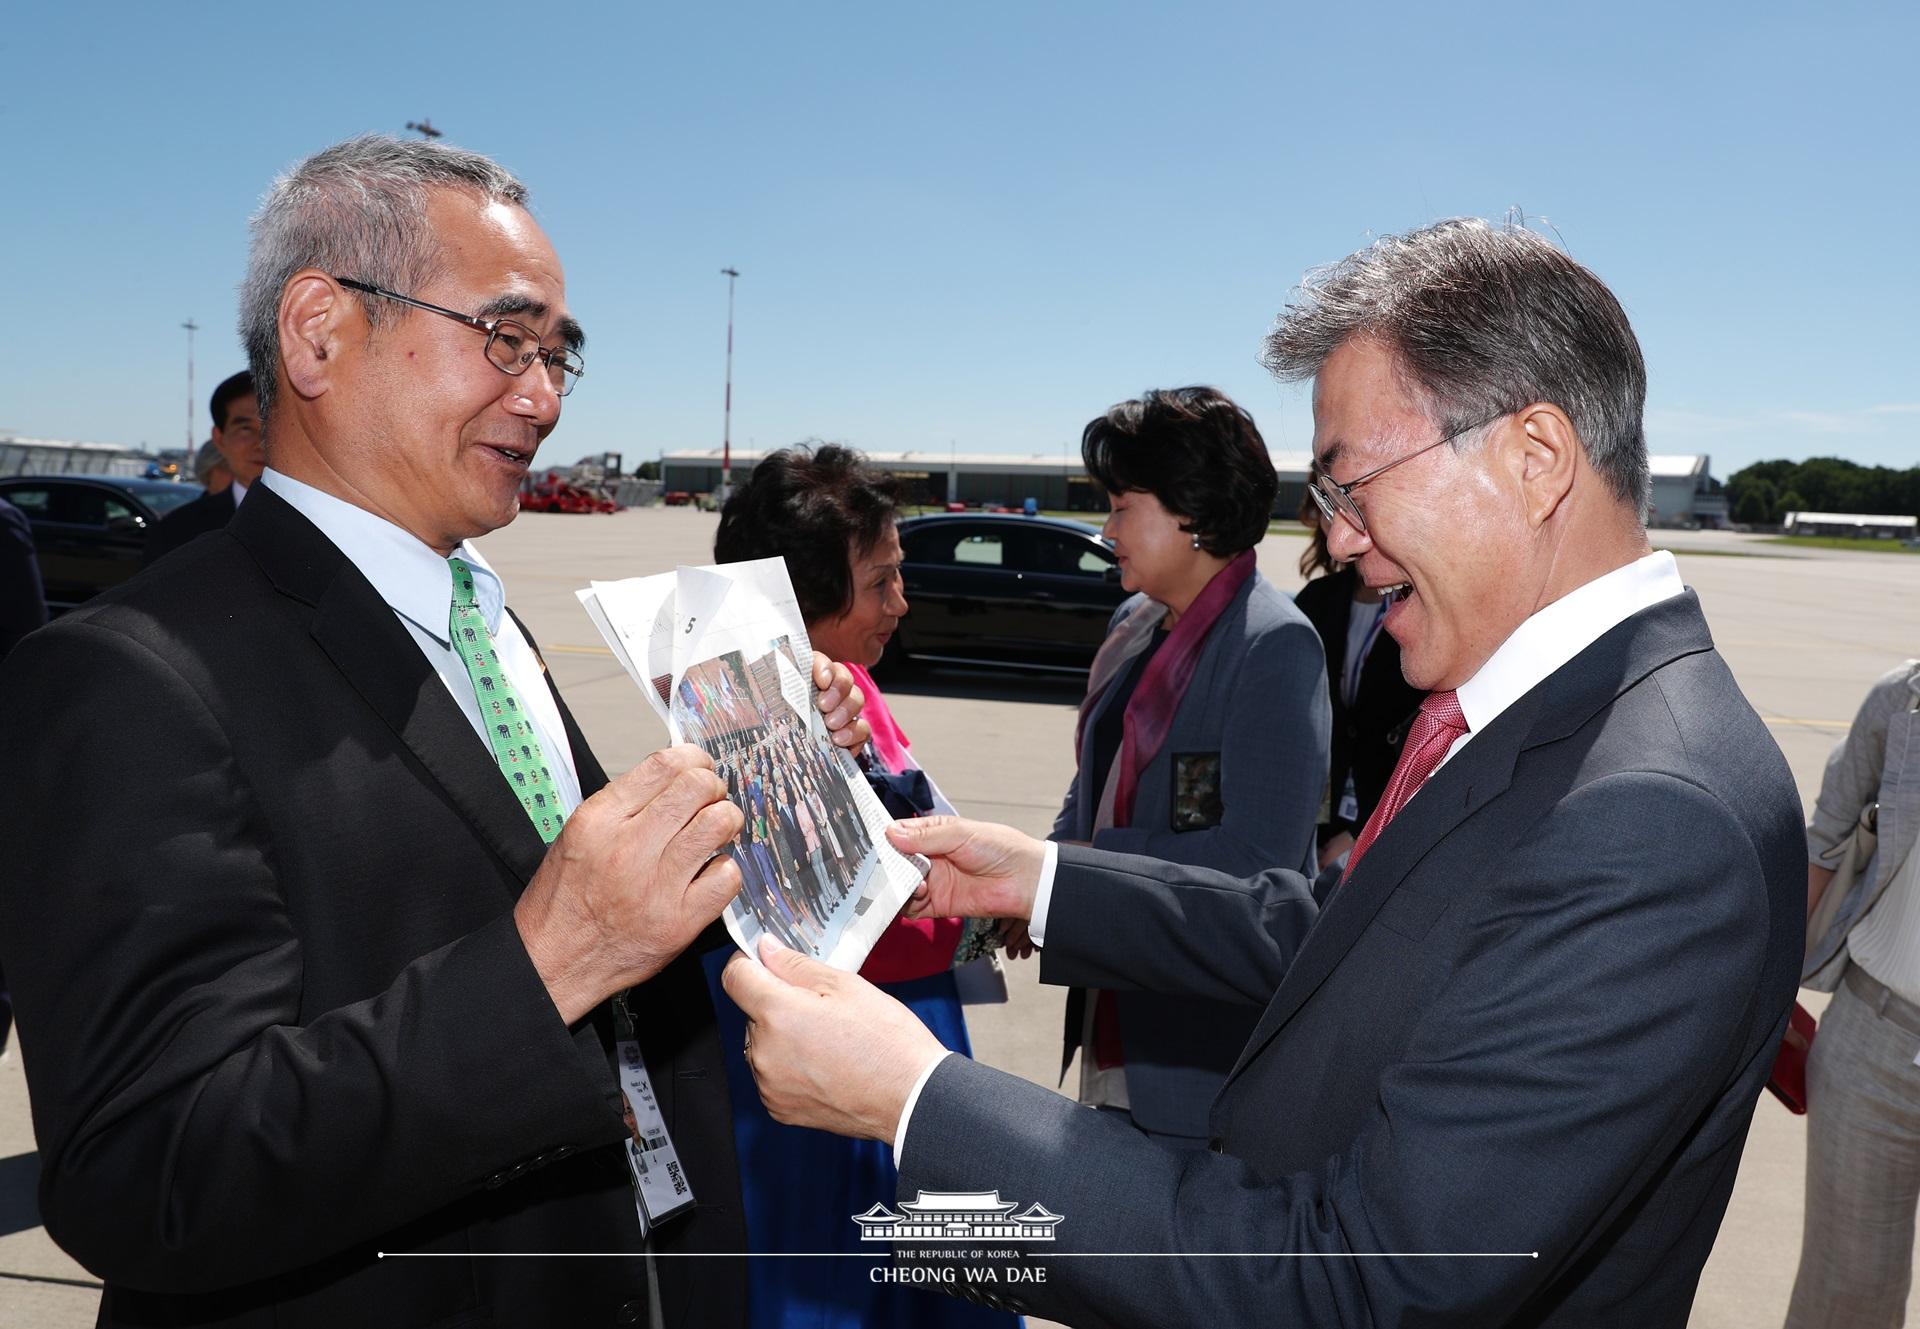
{"points": [[979, 225]]}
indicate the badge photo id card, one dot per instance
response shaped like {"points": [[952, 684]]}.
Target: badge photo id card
{"points": [[660, 1184]]}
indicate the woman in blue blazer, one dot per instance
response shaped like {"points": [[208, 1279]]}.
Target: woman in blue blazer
{"points": [[1203, 737]]}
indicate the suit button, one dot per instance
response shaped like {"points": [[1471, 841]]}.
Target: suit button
{"points": [[631, 1313], [1218, 1145]]}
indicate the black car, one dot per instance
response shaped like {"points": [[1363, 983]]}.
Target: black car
{"points": [[1005, 590], [89, 530]]}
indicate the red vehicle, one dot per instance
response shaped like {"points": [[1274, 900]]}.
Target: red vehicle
{"points": [[552, 493]]}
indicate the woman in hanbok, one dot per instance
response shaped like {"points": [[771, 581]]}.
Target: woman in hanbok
{"points": [[832, 518]]}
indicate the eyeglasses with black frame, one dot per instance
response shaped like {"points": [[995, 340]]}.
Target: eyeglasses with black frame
{"points": [[511, 347], [1336, 501]]}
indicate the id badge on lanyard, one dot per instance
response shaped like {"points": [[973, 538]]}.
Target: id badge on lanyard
{"points": [[1350, 803], [660, 1186]]}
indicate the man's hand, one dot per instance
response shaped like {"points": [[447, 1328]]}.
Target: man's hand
{"points": [[631, 880], [1819, 877], [1337, 844], [1016, 943], [840, 700], [827, 1049], [979, 870]]}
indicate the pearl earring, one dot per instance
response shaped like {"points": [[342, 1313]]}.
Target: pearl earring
{"points": [[1196, 541]]}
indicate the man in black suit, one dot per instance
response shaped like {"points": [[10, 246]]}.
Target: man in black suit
{"points": [[306, 995], [1504, 1079], [23, 608], [238, 439]]}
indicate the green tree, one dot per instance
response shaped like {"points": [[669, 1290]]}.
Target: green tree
{"points": [[1791, 501], [1826, 484], [1752, 509]]}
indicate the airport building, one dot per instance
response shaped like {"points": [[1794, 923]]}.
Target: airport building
{"points": [[53, 456], [1857, 525], [1684, 494]]}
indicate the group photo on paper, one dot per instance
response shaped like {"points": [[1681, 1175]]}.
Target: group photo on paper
{"points": [[1429, 936], [805, 848]]}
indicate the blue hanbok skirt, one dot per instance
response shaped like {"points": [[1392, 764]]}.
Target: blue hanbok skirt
{"points": [[802, 1188]]}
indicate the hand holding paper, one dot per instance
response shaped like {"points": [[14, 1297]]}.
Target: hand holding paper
{"points": [[828, 1049], [980, 870], [631, 880], [840, 702], [721, 654]]}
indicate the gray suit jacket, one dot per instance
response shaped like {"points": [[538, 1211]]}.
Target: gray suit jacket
{"points": [[1254, 715], [1535, 1021], [1878, 761]]}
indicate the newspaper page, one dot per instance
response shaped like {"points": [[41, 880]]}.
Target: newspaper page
{"points": [[722, 655]]}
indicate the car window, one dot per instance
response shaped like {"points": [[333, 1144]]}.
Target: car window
{"points": [[82, 505], [117, 510], [1066, 556], [165, 498], [35, 502], [928, 545], [972, 546], [981, 549]]}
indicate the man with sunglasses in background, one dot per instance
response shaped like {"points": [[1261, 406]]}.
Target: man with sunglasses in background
{"points": [[1505, 1077], [322, 921]]}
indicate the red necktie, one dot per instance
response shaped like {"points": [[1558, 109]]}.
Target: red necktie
{"points": [[1434, 730]]}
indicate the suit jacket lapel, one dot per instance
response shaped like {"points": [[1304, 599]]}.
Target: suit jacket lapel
{"points": [[358, 631], [1555, 708], [1481, 772]]}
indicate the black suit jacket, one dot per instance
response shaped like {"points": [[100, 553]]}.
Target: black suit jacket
{"points": [[1532, 1025], [23, 601], [1367, 736], [209, 512], [258, 925]]}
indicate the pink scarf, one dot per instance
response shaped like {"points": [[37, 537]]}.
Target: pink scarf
{"points": [[1151, 709], [889, 742], [912, 947]]}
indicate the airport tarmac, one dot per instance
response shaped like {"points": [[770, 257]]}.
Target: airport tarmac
{"points": [[1804, 631]]}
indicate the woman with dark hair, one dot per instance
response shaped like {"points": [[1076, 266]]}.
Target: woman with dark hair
{"points": [[831, 518], [1373, 705], [1203, 736]]}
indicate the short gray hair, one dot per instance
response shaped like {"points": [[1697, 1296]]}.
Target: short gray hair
{"points": [[1484, 319], [357, 209]]}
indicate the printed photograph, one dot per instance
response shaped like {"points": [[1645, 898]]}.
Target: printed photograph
{"points": [[806, 855]]}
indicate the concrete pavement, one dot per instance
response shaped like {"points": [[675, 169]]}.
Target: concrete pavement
{"points": [[1805, 632]]}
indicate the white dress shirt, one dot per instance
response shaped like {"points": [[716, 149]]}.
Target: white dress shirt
{"points": [[1547, 640], [417, 585]]}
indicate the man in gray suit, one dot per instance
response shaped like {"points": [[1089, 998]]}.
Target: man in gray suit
{"points": [[1505, 1078]]}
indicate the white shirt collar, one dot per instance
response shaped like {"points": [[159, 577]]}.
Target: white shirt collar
{"points": [[239, 493], [416, 583], [1563, 629]]}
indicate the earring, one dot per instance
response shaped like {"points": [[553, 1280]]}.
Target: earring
{"points": [[1196, 541]]}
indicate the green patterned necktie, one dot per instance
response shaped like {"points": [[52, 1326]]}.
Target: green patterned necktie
{"points": [[509, 729]]}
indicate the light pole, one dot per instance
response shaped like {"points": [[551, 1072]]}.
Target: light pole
{"points": [[726, 428], [191, 328]]}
